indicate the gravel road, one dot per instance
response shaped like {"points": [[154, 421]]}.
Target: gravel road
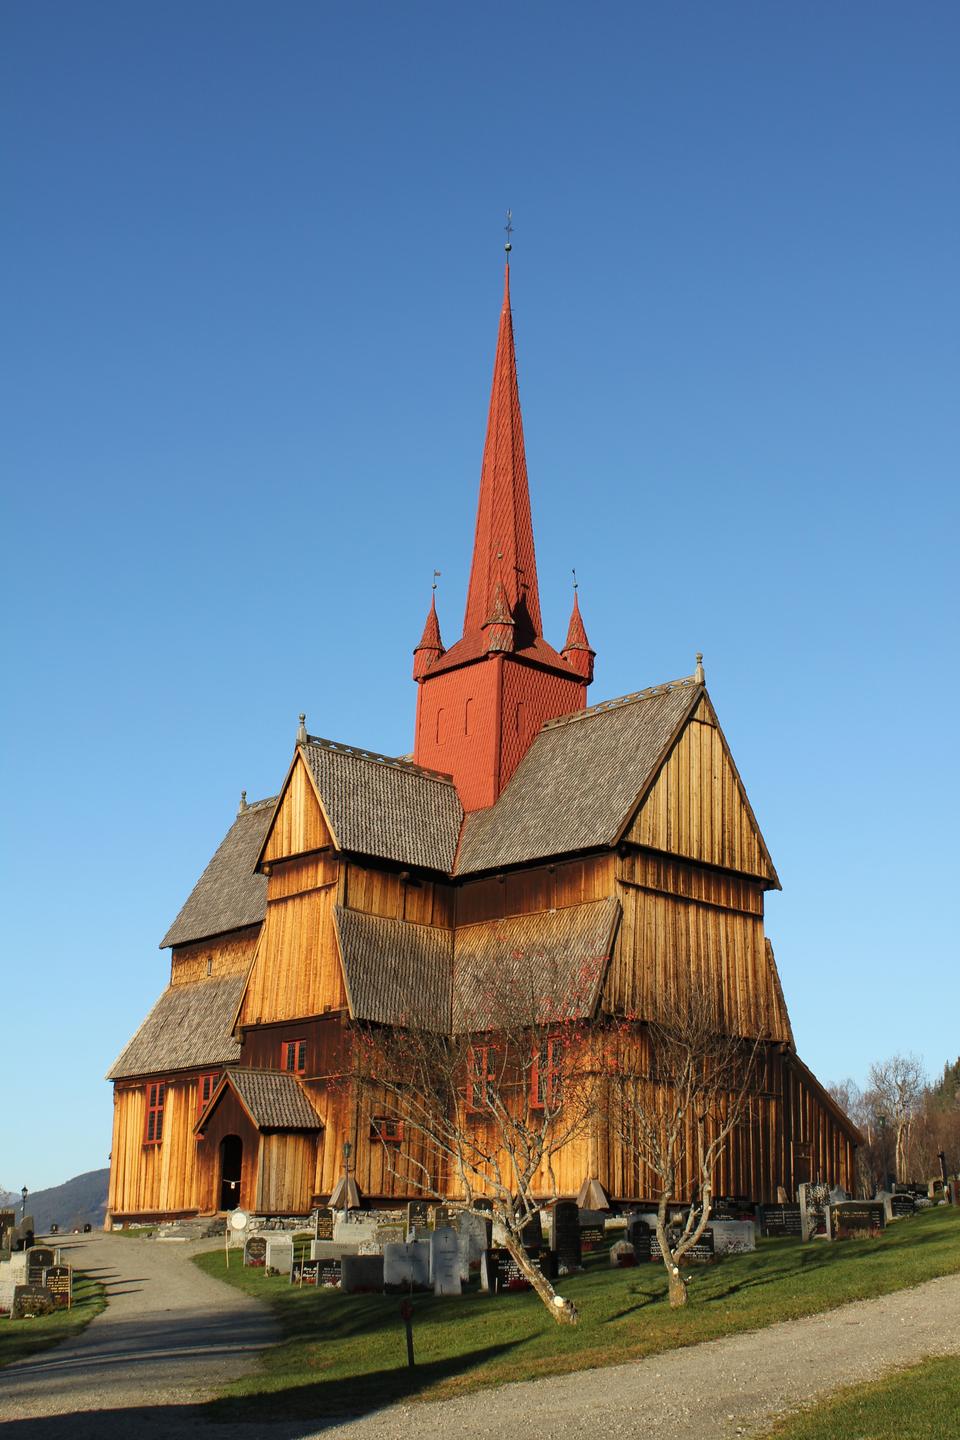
{"points": [[171, 1336]]}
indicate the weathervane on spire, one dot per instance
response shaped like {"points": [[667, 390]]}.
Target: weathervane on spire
{"points": [[574, 574], [509, 229], [436, 577]]}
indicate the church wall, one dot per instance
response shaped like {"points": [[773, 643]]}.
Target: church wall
{"points": [[457, 729], [223, 955], [288, 1163], [531, 696], [229, 1118], [297, 970], [542, 887], [382, 892], [299, 825], [151, 1179], [695, 808]]}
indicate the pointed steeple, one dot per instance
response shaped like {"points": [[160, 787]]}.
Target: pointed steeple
{"points": [[504, 527], [431, 646], [577, 651], [499, 626]]}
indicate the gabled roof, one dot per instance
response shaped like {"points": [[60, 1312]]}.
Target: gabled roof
{"points": [[189, 1027], [579, 781], [273, 1100], [549, 965], [229, 894], [395, 973], [386, 808]]}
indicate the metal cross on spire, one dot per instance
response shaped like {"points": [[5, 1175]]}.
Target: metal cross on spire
{"points": [[509, 229]]}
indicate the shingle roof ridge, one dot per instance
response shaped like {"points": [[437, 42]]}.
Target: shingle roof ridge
{"points": [[258, 805], [686, 682], [395, 762]]}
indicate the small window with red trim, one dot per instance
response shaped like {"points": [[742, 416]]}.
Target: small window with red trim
{"points": [[156, 1096], [205, 1088], [387, 1129], [481, 1082], [294, 1056], [545, 1074]]}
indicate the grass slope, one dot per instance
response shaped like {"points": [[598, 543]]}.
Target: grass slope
{"points": [[20, 1338], [922, 1403], [344, 1355]]}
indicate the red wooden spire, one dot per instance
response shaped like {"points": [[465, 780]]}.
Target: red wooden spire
{"points": [[504, 527], [577, 651], [431, 646]]}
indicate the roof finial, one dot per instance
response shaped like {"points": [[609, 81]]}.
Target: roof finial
{"points": [[698, 673], [436, 577], [243, 802], [574, 574], [302, 730], [509, 229]]}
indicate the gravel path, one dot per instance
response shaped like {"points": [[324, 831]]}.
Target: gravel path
{"points": [[171, 1336]]}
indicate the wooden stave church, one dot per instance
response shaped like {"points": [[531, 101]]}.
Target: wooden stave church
{"points": [[524, 823]]}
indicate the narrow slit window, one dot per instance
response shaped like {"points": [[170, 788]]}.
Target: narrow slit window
{"points": [[205, 1088], [156, 1098]]}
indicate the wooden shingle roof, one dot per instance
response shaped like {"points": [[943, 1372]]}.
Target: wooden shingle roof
{"points": [[273, 1099], [549, 965], [386, 808], [579, 781], [229, 894], [189, 1027]]}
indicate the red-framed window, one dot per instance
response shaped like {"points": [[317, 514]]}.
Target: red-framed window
{"points": [[481, 1082], [293, 1056], [156, 1097], [205, 1088], [387, 1129], [545, 1073]]}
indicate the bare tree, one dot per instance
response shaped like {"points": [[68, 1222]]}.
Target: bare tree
{"points": [[488, 1110], [897, 1088], [681, 1087]]}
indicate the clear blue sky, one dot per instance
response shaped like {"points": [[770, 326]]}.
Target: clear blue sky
{"points": [[251, 271]]}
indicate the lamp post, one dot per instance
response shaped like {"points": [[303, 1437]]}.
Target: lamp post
{"points": [[23, 1202]]}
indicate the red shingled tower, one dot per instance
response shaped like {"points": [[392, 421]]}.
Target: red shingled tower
{"points": [[481, 702]]}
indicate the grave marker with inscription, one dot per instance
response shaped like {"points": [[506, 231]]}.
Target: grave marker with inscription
{"points": [[566, 1234], [324, 1224], [361, 1274], [406, 1267], [855, 1220], [58, 1280], [813, 1211], [278, 1256], [445, 1261], [780, 1220], [255, 1251], [31, 1301], [305, 1272], [39, 1258]]}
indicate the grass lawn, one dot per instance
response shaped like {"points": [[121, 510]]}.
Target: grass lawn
{"points": [[20, 1338], [344, 1354], [922, 1403]]}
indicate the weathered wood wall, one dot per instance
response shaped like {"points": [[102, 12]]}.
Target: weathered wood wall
{"points": [[224, 955]]}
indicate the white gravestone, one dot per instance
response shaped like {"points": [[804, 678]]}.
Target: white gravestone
{"points": [[355, 1233], [406, 1267], [445, 1261], [280, 1254], [733, 1237]]}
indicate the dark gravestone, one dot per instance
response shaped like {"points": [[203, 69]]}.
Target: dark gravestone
{"points": [[499, 1272], [329, 1274], [39, 1258], [306, 1272], [638, 1235], [549, 1264], [88, 1228], [700, 1254], [58, 1280], [902, 1205], [255, 1251], [30, 1301], [531, 1236], [418, 1215], [440, 1217], [592, 1237], [780, 1220], [855, 1220], [324, 1225], [566, 1234]]}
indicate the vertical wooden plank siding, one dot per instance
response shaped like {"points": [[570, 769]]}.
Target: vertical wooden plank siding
{"points": [[298, 825]]}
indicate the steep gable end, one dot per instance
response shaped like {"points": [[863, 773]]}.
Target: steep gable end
{"points": [[298, 825], [697, 807]]}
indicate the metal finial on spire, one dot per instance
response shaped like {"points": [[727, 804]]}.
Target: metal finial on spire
{"points": [[436, 577], [698, 673], [509, 229], [243, 802], [575, 584], [302, 729]]}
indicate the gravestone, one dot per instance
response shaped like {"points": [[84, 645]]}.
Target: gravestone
{"points": [[418, 1215], [278, 1257], [813, 1211], [255, 1251], [88, 1228], [445, 1261], [622, 1255], [390, 1234], [475, 1230], [329, 1274], [361, 1274], [639, 1230], [324, 1224], [700, 1254], [780, 1220], [900, 1205], [440, 1216], [855, 1220], [329, 1250], [31, 1301], [493, 1270], [305, 1272], [39, 1258], [566, 1234], [356, 1232], [406, 1267], [531, 1236], [591, 1238], [58, 1280], [733, 1237]]}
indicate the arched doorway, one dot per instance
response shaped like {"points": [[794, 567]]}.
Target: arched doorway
{"points": [[231, 1171]]}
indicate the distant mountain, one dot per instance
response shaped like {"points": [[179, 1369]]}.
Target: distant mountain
{"points": [[77, 1202]]}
